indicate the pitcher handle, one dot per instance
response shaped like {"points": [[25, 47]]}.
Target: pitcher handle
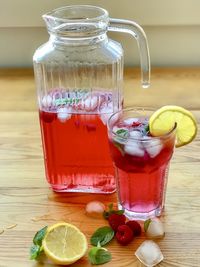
{"points": [[131, 27]]}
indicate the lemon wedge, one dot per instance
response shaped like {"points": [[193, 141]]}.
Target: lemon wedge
{"points": [[64, 243], [163, 120]]}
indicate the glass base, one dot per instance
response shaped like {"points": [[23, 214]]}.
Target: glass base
{"points": [[131, 215]]}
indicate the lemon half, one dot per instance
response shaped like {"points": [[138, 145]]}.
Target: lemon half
{"points": [[163, 120], [64, 243]]}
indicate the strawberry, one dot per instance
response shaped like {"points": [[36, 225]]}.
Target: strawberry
{"points": [[135, 226], [124, 234], [115, 220]]}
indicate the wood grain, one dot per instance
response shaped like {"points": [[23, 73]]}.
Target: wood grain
{"points": [[25, 199]]}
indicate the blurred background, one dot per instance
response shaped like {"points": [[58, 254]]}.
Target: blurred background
{"points": [[172, 28]]}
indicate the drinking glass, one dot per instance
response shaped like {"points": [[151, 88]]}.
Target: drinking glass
{"points": [[141, 162]]}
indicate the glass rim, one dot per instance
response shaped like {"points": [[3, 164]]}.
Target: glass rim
{"points": [[103, 13], [141, 139]]}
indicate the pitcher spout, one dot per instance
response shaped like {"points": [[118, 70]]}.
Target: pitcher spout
{"points": [[77, 21]]}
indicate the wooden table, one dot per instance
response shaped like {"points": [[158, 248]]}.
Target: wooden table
{"points": [[26, 203]]}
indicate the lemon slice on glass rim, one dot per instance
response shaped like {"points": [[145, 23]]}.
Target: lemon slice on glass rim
{"points": [[163, 120], [64, 243]]}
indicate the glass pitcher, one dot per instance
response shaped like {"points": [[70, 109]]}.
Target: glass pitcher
{"points": [[79, 75]]}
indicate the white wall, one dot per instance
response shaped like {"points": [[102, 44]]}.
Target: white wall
{"points": [[172, 28]]}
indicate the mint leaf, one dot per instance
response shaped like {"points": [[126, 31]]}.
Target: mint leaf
{"points": [[34, 252], [99, 255], [122, 132], [103, 256], [146, 128], [92, 254], [146, 224], [37, 240], [102, 235], [118, 140]]}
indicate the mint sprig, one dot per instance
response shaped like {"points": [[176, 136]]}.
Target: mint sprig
{"points": [[34, 252], [98, 255], [110, 211], [102, 236], [37, 240], [36, 248]]}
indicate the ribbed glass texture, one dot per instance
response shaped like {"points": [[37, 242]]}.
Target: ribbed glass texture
{"points": [[79, 74]]}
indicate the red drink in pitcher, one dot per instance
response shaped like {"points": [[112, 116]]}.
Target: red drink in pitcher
{"points": [[76, 148], [141, 163]]}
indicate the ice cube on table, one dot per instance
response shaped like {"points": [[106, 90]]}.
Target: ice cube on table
{"points": [[153, 147], [47, 101], [149, 253], [155, 228], [64, 114], [134, 149]]}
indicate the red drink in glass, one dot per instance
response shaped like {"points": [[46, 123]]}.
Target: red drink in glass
{"points": [[141, 163]]}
